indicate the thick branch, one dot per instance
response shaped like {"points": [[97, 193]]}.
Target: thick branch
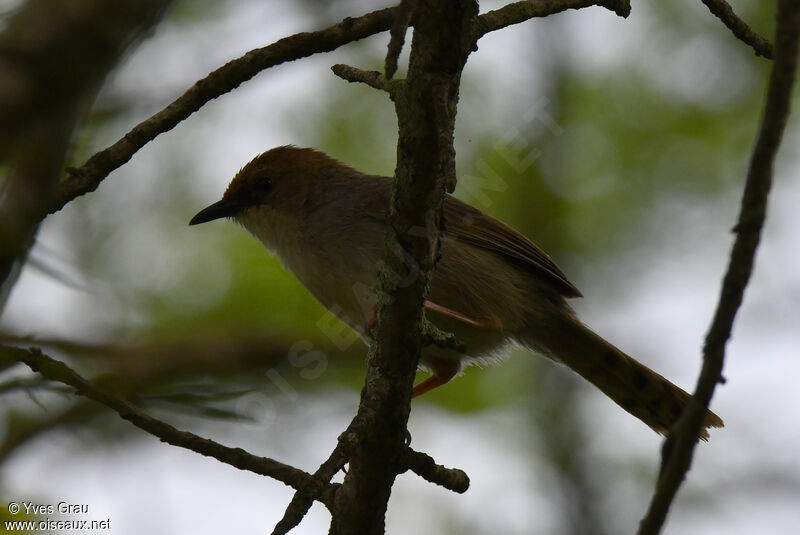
{"points": [[679, 448], [524, 10], [444, 36], [58, 371], [723, 11], [89, 176]]}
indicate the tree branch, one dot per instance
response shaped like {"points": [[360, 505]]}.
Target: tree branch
{"points": [[723, 11], [528, 9], [679, 446], [425, 467], [89, 176], [58, 371], [134, 367], [371, 78], [317, 484], [398, 36], [444, 36]]}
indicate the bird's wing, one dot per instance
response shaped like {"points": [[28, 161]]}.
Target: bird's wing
{"points": [[464, 223], [470, 225]]}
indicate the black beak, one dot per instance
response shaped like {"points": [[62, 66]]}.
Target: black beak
{"points": [[223, 208]]}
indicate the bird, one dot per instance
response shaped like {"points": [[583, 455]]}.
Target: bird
{"points": [[492, 286]]}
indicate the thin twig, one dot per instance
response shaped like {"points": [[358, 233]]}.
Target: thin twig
{"points": [[228, 77], [317, 484], [58, 371], [398, 36], [524, 10], [723, 11], [424, 466], [371, 78], [679, 447]]}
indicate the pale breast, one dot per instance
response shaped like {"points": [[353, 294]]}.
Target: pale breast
{"points": [[338, 264]]}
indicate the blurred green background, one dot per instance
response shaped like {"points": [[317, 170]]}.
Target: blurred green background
{"points": [[619, 146]]}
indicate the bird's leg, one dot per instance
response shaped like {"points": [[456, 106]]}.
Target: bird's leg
{"points": [[443, 370], [435, 307], [372, 319]]}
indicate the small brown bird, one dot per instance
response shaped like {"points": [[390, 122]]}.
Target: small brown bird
{"points": [[326, 222]]}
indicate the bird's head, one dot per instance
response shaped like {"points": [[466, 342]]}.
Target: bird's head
{"points": [[281, 180]]}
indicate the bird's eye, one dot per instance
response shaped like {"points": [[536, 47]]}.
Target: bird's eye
{"points": [[263, 185]]}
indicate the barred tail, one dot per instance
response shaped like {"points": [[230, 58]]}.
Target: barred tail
{"points": [[633, 386]]}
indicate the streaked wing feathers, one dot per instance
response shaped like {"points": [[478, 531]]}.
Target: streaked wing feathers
{"points": [[470, 225]]}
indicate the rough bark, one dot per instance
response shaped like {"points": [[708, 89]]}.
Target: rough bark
{"points": [[426, 109]]}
